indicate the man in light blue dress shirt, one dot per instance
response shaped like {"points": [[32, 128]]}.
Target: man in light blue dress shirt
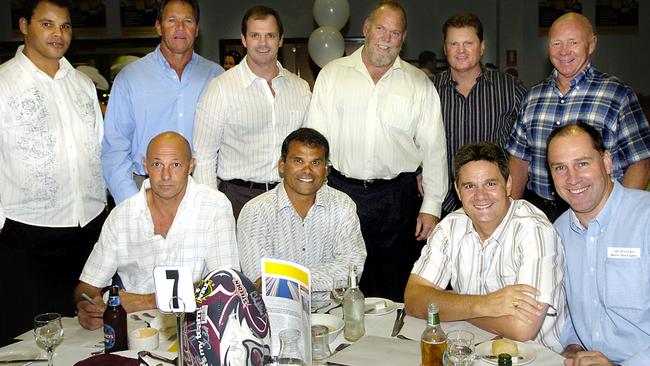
{"points": [[157, 93], [606, 236]]}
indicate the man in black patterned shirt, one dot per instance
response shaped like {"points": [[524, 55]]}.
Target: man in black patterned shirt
{"points": [[478, 103]]}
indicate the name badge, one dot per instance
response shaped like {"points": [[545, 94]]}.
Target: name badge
{"points": [[623, 253]]}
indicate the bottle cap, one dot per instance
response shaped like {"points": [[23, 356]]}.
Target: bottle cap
{"points": [[434, 308]]}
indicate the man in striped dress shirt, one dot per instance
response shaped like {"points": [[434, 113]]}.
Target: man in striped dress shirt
{"points": [[502, 256], [303, 220], [245, 114], [478, 103]]}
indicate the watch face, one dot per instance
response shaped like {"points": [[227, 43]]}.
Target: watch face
{"points": [[230, 325]]}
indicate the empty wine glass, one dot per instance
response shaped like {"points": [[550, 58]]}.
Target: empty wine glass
{"points": [[460, 349], [48, 331], [340, 286]]}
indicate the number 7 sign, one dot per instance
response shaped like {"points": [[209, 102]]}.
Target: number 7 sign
{"points": [[174, 289]]}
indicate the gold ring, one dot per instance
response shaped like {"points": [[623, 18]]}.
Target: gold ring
{"points": [[515, 303]]}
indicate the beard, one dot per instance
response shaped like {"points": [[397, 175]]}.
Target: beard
{"points": [[380, 60]]}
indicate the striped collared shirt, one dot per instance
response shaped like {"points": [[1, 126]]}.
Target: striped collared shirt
{"points": [[487, 114], [327, 241], [595, 98], [524, 249], [240, 124]]}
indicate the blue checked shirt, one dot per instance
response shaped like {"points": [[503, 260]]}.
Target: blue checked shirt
{"points": [[595, 98]]}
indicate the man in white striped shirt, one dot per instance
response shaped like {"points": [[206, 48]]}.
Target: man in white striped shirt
{"points": [[246, 112], [503, 257], [303, 220], [171, 221]]}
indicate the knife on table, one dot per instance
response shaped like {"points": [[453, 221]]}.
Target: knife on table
{"points": [[24, 360], [399, 322], [493, 357]]}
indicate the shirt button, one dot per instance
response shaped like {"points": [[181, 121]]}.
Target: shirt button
{"points": [[597, 334], [180, 114], [595, 302], [561, 101], [592, 269], [557, 123], [591, 239]]}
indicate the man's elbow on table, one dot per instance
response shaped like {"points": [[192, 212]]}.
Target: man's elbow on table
{"points": [[417, 297]]}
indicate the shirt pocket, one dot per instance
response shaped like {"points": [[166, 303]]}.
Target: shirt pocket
{"points": [[627, 285], [397, 112]]}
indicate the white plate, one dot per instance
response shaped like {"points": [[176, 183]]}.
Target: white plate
{"points": [[20, 353], [371, 302], [526, 351]]}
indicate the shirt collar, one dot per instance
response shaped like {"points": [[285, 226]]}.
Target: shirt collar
{"points": [[446, 79], [605, 216], [585, 74], [160, 58], [355, 60], [285, 203], [64, 66], [248, 77], [500, 230], [146, 184]]}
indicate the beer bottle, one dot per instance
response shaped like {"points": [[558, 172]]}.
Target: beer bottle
{"points": [[505, 359], [353, 309], [115, 331], [433, 340]]}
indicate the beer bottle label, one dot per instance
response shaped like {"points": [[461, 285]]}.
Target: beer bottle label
{"points": [[109, 337], [114, 301]]}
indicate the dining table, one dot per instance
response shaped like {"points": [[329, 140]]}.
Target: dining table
{"points": [[80, 343]]}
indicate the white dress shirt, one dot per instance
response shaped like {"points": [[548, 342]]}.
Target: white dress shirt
{"points": [[201, 237], [240, 125], [50, 135], [524, 249], [327, 241], [377, 131]]}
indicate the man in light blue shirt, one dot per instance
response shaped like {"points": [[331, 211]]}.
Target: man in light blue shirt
{"points": [[606, 236], [157, 93]]}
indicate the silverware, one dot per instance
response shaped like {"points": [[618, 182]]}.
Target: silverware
{"points": [[136, 317], [336, 307], [404, 337], [143, 354], [25, 360], [399, 322], [492, 357]]}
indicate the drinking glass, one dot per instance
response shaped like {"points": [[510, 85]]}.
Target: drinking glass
{"points": [[460, 349], [340, 286], [48, 331]]}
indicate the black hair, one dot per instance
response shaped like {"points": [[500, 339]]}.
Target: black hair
{"points": [[260, 12], [30, 5], [483, 151], [307, 136], [464, 20]]}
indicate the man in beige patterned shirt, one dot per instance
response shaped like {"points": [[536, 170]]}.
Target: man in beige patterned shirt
{"points": [[302, 220], [502, 256]]}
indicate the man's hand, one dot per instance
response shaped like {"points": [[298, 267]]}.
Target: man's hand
{"points": [[571, 350], [585, 358], [425, 225], [513, 300], [90, 316]]}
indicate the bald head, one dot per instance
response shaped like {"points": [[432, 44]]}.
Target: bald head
{"points": [[170, 139], [574, 19]]}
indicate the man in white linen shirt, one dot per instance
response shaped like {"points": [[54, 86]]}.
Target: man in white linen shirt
{"points": [[302, 220], [52, 195], [503, 257], [245, 114], [171, 221], [382, 118]]}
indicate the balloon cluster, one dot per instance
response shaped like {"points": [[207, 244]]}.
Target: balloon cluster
{"points": [[326, 42]]}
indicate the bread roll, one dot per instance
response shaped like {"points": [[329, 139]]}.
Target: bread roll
{"points": [[500, 346]]}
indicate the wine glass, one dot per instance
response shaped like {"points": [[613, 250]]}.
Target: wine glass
{"points": [[340, 286], [460, 349], [48, 331]]}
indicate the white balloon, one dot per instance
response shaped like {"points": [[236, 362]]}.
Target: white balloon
{"points": [[332, 13], [325, 44]]}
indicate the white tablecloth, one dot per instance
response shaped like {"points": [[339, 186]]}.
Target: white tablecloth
{"points": [[79, 343]]}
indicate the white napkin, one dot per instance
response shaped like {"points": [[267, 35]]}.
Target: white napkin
{"points": [[379, 351]]}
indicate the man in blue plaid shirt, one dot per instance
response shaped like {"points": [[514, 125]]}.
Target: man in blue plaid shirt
{"points": [[576, 92]]}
